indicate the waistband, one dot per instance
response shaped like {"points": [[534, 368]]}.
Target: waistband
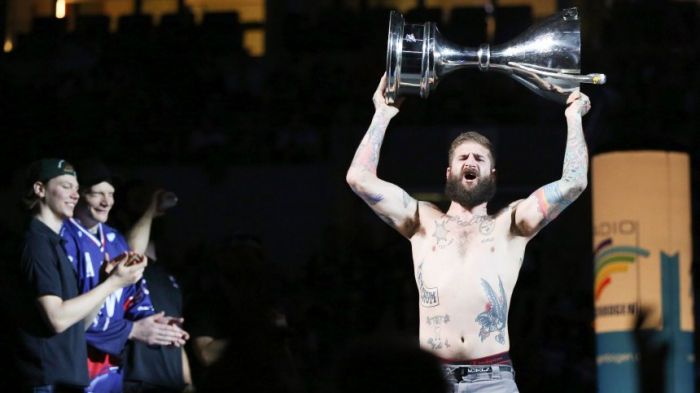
{"points": [[502, 358]]}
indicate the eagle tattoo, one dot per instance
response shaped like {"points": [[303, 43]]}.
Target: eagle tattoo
{"points": [[494, 318]]}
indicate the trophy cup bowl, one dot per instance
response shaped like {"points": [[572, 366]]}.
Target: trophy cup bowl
{"points": [[546, 58]]}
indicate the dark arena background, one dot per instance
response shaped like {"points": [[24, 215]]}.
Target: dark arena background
{"points": [[251, 111]]}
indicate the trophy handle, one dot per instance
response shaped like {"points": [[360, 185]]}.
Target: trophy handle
{"points": [[552, 85], [596, 79]]}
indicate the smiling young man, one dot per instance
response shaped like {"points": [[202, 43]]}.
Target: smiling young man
{"points": [[52, 313], [127, 313], [466, 262]]}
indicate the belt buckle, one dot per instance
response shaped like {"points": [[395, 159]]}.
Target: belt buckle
{"points": [[483, 372], [479, 369]]}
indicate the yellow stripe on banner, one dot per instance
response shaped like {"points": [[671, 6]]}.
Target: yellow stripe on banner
{"points": [[613, 259], [617, 268]]}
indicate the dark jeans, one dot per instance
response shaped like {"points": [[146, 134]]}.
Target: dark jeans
{"points": [[56, 389], [143, 387]]}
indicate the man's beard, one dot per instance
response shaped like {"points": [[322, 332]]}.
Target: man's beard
{"points": [[484, 190]]}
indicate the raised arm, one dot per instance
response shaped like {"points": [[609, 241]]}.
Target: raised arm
{"points": [[548, 201], [139, 234], [391, 203], [61, 314]]}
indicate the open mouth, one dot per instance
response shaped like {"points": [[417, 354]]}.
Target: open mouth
{"points": [[471, 174]]}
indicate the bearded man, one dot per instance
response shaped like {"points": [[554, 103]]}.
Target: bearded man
{"points": [[466, 262]]}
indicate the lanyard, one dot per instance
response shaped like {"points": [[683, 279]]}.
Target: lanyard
{"points": [[99, 242]]}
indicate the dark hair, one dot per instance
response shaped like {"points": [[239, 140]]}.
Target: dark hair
{"points": [[472, 136]]}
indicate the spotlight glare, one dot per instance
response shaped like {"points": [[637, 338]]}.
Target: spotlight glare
{"points": [[60, 9]]}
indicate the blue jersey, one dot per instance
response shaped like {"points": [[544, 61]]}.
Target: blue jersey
{"points": [[110, 329]]}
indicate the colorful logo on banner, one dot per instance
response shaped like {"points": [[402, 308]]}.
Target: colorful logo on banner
{"points": [[610, 260]]}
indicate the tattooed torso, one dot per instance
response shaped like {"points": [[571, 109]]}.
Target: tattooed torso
{"points": [[465, 269]]}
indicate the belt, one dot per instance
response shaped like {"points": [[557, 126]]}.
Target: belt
{"points": [[462, 371]]}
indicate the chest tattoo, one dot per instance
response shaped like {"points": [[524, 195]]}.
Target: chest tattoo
{"points": [[486, 227], [440, 234]]}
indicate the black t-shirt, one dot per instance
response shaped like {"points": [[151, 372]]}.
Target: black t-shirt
{"points": [[256, 357], [158, 365], [44, 357]]}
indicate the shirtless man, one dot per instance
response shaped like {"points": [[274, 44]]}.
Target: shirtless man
{"points": [[466, 262]]}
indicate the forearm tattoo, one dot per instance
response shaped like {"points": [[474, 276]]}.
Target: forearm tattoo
{"points": [[555, 197], [406, 199], [367, 154], [576, 157]]}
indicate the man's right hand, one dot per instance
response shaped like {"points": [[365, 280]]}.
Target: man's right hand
{"points": [[152, 210], [157, 330], [380, 105], [578, 104]]}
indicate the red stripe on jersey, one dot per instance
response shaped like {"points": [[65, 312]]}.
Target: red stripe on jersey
{"points": [[100, 362]]}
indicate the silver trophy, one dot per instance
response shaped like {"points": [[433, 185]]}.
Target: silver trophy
{"points": [[546, 58]]}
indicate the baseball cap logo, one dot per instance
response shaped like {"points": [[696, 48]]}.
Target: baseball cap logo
{"points": [[48, 168]]}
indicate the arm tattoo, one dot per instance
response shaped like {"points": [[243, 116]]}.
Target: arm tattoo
{"points": [[370, 199], [576, 157], [551, 201], [555, 197], [367, 154]]}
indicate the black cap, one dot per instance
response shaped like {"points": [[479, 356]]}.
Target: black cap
{"points": [[94, 171], [48, 168]]}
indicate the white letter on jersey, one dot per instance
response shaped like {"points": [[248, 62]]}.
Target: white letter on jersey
{"points": [[89, 271], [110, 304]]}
